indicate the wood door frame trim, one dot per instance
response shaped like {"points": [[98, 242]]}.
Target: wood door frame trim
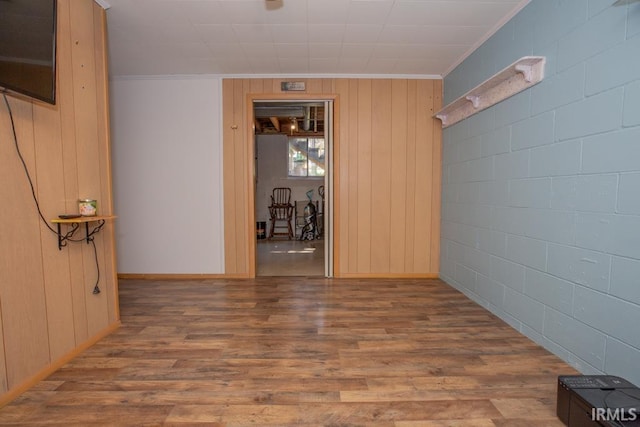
{"points": [[250, 163]]}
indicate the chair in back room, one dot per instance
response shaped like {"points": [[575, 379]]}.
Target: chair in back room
{"points": [[281, 213]]}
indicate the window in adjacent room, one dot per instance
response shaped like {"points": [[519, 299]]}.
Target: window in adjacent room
{"points": [[306, 157]]}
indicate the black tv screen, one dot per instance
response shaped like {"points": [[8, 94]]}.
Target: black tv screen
{"points": [[28, 48]]}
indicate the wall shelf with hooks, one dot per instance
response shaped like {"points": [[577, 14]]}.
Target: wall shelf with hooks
{"points": [[74, 223], [522, 74]]}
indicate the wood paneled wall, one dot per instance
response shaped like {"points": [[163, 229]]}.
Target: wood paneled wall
{"points": [[48, 312], [387, 158], [389, 194]]}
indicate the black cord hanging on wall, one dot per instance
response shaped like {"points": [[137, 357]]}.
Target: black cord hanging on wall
{"points": [[67, 237]]}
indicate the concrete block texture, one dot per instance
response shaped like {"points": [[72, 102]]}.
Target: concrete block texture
{"points": [[551, 240]]}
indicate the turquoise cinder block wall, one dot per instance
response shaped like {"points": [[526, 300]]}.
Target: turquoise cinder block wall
{"points": [[541, 192]]}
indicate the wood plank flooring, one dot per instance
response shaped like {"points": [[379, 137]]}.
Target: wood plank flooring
{"points": [[300, 352]]}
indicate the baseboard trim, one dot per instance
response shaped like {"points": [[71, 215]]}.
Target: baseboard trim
{"points": [[13, 393], [389, 276], [154, 276]]}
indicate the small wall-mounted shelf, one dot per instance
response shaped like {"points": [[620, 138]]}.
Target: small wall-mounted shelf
{"points": [[522, 74], [74, 223]]}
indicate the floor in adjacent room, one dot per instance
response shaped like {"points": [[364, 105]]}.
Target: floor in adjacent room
{"points": [[281, 257], [300, 352]]}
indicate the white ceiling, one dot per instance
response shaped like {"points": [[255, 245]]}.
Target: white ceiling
{"points": [[267, 37]]}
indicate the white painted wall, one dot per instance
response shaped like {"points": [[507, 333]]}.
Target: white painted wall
{"points": [[167, 174]]}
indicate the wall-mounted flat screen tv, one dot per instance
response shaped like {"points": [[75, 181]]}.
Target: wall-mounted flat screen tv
{"points": [[28, 48]]}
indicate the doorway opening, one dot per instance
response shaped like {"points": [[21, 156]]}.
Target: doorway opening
{"points": [[293, 186]]}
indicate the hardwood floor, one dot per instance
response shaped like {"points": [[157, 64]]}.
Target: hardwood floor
{"points": [[300, 352]]}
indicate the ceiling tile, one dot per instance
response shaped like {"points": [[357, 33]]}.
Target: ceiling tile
{"points": [[362, 33], [388, 51], [412, 34], [447, 13], [452, 35], [355, 50], [369, 12], [248, 33], [451, 52], [204, 66], [289, 33], [325, 50], [326, 33], [215, 32], [259, 50], [189, 50], [294, 12], [292, 50], [200, 12], [294, 65], [146, 12], [327, 11], [265, 65], [381, 66], [236, 66], [127, 34], [323, 65], [240, 12], [298, 36], [352, 65], [408, 34], [418, 66], [179, 33], [416, 13], [226, 50]]}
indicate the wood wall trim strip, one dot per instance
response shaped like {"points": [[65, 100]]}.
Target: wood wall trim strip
{"points": [[104, 143], [364, 228], [85, 97], [3, 363], [424, 186], [243, 232], [70, 158], [251, 180], [57, 289], [381, 152], [398, 175], [228, 120], [436, 201], [410, 206], [351, 188], [329, 87], [239, 148]]}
